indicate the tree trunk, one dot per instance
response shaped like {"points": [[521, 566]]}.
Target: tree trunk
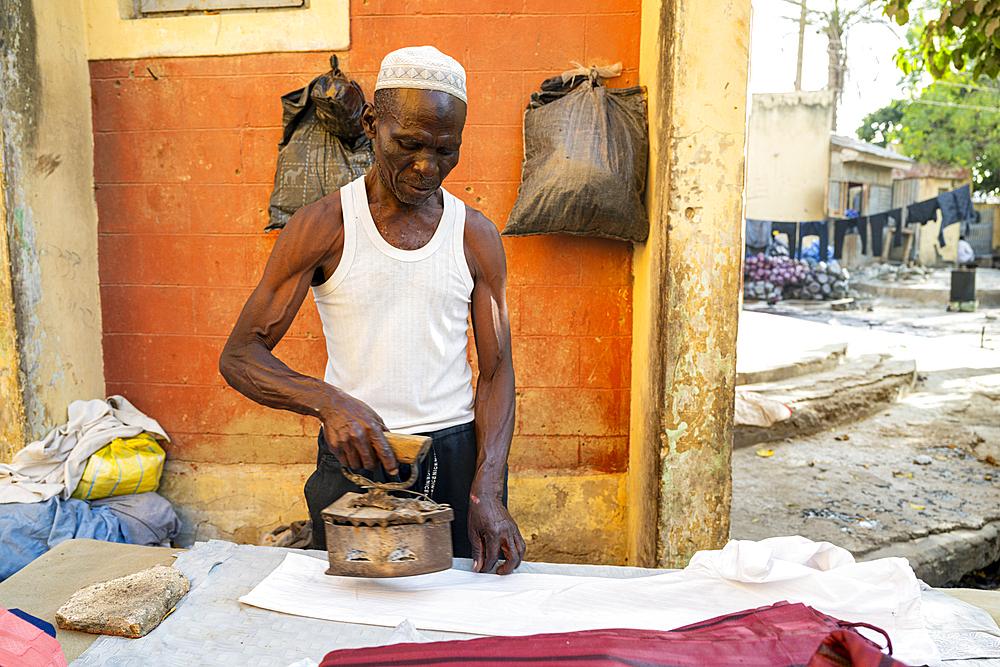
{"points": [[835, 69], [802, 39]]}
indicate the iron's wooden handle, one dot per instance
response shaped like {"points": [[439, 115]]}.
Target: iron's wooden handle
{"points": [[408, 448]]}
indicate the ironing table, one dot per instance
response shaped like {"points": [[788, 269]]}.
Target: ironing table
{"points": [[211, 627]]}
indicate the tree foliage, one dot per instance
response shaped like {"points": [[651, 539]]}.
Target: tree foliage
{"points": [[880, 127], [953, 122], [965, 35]]}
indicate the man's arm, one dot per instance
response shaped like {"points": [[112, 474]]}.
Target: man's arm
{"points": [[310, 245], [491, 528]]}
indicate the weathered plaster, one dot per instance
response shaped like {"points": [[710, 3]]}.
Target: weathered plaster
{"points": [[570, 518], [113, 33], [649, 318], [788, 155], [52, 219], [11, 403], [235, 502], [694, 61]]}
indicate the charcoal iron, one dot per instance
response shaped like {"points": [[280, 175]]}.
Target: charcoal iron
{"points": [[376, 534]]}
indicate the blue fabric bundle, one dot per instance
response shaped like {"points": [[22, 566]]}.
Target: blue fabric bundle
{"points": [[28, 530]]}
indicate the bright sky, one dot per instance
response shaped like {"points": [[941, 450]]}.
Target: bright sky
{"points": [[872, 77]]}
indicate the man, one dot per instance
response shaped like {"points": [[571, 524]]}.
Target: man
{"points": [[396, 265], [966, 255]]}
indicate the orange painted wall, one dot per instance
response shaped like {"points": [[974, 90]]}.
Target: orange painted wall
{"points": [[184, 162]]}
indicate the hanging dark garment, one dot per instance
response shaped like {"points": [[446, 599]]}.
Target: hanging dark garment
{"points": [[841, 228], [956, 206], [922, 212], [878, 223], [758, 233], [820, 228], [789, 228], [895, 220]]}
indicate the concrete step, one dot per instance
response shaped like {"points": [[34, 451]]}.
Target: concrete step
{"points": [[937, 558], [935, 290], [772, 369], [858, 387]]}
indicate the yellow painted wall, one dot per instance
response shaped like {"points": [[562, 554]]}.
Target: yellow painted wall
{"points": [[51, 215], [568, 518], [694, 60], [788, 156], [238, 503], [931, 252]]}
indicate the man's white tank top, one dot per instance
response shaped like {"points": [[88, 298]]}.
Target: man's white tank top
{"points": [[395, 321]]}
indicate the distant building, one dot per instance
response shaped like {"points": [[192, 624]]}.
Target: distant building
{"points": [[861, 177], [788, 156], [798, 171]]}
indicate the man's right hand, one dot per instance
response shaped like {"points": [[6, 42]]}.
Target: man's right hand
{"points": [[354, 434]]}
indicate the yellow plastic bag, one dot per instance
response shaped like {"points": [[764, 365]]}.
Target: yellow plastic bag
{"points": [[122, 467]]}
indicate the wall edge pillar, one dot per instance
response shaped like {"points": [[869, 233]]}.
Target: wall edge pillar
{"points": [[11, 401], [693, 60]]}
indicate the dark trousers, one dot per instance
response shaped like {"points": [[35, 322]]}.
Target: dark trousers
{"points": [[840, 229], [820, 228], [791, 229], [445, 475], [878, 224]]}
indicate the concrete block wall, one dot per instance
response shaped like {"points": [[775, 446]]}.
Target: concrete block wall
{"points": [[184, 162]]}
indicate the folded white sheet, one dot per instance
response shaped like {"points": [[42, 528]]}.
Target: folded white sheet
{"points": [[743, 575]]}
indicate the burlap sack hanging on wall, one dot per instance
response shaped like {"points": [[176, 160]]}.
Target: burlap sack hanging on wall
{"points": [[585, 153]]}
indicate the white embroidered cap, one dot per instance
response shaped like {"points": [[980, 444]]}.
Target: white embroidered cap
{"points": [[424, 68]]}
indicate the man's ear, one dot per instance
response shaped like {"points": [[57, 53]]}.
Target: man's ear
{"points": [[368, 120]]}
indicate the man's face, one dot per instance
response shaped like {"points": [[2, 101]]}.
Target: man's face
{"points": [[416, 142]]}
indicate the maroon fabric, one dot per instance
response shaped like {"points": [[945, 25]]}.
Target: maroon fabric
{"points": [[781, 635], [846, 648]]}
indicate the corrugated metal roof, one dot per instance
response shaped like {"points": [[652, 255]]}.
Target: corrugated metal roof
{"points": [[865, 147]]}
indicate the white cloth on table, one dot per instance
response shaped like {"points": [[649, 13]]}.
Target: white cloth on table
{"points": [[743, 575], [54, 465]]}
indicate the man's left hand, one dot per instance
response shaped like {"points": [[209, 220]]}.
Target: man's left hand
{"points": [[493, 532]]}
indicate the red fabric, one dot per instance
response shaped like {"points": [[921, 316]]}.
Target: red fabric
{"points": [[845, 648], [781, 635], [24, 645]]}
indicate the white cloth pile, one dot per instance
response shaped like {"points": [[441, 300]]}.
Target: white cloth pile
{"points": [[54, 465], [752, 409]]}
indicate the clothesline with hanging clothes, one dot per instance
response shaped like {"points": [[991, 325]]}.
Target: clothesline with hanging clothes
{"points": [[759, 233], [860, 225], [956, 206]]}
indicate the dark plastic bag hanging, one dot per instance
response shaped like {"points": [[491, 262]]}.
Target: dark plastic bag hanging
{"points": [[584, 168], [317, 156], [339, 102]]}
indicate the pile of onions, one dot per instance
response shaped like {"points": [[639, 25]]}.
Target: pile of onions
{"points": [[779, 271]]}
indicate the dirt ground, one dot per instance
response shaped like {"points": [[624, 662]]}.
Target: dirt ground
{"points": [[925, 465]]}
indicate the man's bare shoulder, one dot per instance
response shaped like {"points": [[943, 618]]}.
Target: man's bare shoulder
{"points": [[480, 230], [483, 248], [315, 229], [326, 214], [312, 239]]}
